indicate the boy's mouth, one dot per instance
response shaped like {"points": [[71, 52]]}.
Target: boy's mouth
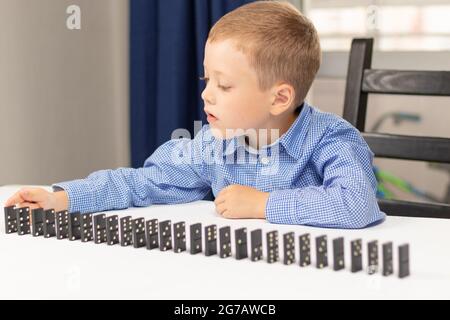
{"points": [[210, 117]]}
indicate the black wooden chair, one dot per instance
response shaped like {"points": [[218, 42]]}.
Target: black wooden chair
{"points": [[362, 80]]}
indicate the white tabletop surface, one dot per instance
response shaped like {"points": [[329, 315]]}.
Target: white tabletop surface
{"points": [[39, 268]]}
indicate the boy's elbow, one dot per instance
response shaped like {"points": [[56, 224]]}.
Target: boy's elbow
{"points": [[362, 211]]}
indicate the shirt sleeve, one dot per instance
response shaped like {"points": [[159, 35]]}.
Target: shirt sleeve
{"points": [[347, 198], [172, 174]]}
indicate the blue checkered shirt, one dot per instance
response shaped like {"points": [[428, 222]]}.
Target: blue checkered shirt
{"points": [[318, 173]]}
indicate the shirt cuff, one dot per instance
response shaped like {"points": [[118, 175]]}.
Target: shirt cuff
{"points": [[80, 195], [281, 207]]}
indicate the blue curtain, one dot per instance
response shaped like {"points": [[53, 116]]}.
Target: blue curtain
{"points": [[167, 40]]}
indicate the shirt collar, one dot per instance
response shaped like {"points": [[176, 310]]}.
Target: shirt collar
{"points": [[291, 140]]}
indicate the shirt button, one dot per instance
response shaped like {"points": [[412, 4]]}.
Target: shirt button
{"points": [[265, 160]]}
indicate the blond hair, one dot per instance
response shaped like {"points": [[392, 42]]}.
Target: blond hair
{"points": [[280, 43]]}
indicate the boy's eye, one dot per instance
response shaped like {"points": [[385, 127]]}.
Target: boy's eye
{"points": [[224, 88]]}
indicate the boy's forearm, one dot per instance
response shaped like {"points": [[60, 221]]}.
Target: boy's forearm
{"points": [[339, 206], [103, 190]]}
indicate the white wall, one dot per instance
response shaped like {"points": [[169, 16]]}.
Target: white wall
{"points": [[63, 93]]}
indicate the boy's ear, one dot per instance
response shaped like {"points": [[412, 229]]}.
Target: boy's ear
{"points": [[284, 95]]}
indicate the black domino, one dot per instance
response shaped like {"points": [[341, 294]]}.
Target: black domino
{"points": [[256, 245], [240, 236], [372, 257], [195, 231], [100, 228], [48, 225], [289, 248], [126, 231], [23, 221], [74, 226], [321, 252], [62, 224], [139, 239], [388, 267], [305, 249], [210, 240], [403, 261], [112, 230], [10, 219], [37, 222], [151, 227], [225, 242], [272, 246], [179, 237], [86, 228], [356, 255], [165, 235], [338, 254]]}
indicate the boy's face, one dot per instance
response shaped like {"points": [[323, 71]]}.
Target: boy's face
{"points": [[232, 97]]}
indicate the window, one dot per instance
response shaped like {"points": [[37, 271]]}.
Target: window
{"points": [[396, 25]]}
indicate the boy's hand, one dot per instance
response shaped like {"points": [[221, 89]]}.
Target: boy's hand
{"points": [[236, 201], [39, 198]]}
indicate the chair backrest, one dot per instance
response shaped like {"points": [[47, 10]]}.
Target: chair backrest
{"points": [[362, 80]]}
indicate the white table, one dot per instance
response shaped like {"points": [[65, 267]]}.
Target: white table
{"points": [[35, 267]]}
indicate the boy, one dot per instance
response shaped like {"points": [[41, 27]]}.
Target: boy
{"points": [[266, 153]]}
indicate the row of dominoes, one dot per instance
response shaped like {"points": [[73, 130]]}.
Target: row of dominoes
{"points": [[151, 234]]}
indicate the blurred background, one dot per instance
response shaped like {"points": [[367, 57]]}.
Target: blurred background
{"points": [[73, 101]]}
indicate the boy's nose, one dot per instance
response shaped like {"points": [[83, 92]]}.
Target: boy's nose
{"points": [[206, 96]]}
